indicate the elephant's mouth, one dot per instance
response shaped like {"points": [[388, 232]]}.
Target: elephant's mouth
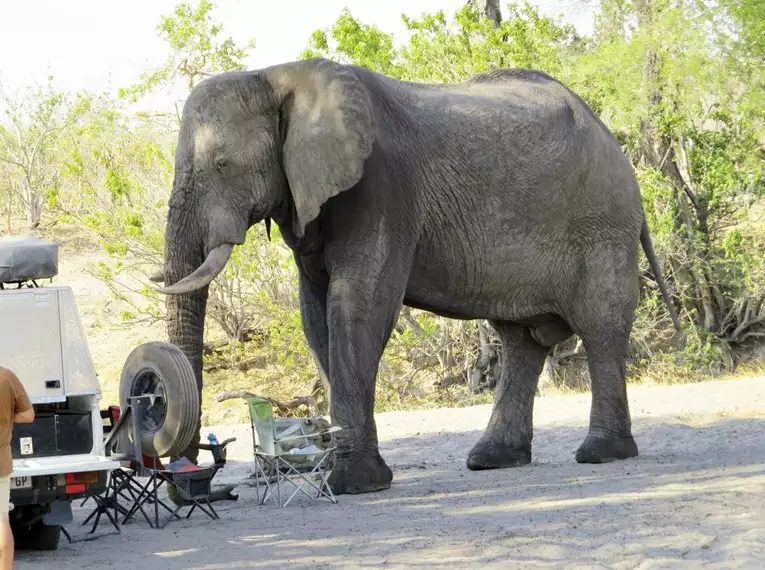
{"points": [[213, 264]]}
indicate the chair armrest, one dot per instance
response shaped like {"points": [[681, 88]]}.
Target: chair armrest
{"points": [[208, 447], [287, 432], [297, 437], [314, 435]]}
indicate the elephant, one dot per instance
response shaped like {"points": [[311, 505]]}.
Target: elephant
{"points": [[503, 197]]}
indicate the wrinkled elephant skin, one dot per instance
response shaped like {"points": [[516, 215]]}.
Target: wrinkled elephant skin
{"points": [[501, 198]]}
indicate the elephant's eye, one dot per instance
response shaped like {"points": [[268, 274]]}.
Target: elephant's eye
{"points": [[221, 164]]}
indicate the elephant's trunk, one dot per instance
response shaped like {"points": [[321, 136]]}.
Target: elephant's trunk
{"points": [[185, 312]]}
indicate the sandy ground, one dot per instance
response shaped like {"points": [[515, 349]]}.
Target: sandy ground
{"points": [[694, 498]]}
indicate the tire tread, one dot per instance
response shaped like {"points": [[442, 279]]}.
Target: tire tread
{"points": [[182, 396]]}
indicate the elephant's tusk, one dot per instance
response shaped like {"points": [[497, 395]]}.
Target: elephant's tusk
{"points": [[214, 263], [158, 275]]}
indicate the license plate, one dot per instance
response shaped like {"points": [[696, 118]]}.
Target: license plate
{"points": [[21, 482]]}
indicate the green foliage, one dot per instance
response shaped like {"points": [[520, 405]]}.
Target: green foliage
{"points": [[354, 42], [33, 133], [708, 116], [681, 84], [748, 20], [197, 51], [439, 50]]}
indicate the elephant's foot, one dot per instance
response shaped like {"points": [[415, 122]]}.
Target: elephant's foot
{"points": [[599, 449], [493, 454], [354, 476]]}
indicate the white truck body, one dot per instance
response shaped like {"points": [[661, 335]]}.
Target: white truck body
{"points": [[46, 348], [59, 457]]}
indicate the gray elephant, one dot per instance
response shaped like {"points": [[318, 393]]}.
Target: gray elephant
{"points": [[501, 198]]}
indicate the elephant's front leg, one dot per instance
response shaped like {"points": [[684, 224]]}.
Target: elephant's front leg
{"points": [[362, 310], [507, 440], [313, 314]]}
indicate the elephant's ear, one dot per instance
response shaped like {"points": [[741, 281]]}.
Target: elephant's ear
{"points": [[329, 132]]}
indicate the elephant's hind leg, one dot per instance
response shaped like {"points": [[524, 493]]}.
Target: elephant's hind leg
{"points": [[507, 439], [610, 435], [603, 320]]}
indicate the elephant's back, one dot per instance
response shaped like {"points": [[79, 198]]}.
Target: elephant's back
{"points": [[511, 172]]}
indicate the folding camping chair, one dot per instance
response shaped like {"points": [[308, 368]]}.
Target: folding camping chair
{"points": [[295, 450], [122, 485], [194, 485]]}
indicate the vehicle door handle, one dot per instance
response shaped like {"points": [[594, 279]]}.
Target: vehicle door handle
{"points": [[50, 384]]}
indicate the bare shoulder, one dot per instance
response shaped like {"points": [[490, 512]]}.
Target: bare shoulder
{"points": [[7, 376], [6, 382]]}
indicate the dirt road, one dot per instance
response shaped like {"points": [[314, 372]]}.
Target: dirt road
{"points": [[694, 498]]}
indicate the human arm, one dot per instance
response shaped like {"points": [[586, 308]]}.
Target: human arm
{"points": [[25, 417], [24, 413]]}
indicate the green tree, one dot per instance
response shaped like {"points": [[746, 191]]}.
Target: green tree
{"points": [[32, 132], [680, 84], [117, 172], [440, 51], [134, 170], [350, 41], [196, 50]]}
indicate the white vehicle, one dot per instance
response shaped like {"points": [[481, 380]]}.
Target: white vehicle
{"points": [[60, 457]]}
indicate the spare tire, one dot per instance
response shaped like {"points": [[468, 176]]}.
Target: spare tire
{"points": [[170, 424]]}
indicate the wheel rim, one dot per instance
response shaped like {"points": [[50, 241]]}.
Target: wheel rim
{"points": [[149, 382]]}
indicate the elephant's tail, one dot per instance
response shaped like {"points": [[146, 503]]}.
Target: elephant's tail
{"points": [[645, 241]]}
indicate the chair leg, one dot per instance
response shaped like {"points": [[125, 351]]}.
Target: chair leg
{"points": [[97, 511], [318, 470], [138, 504], [103, 509], [211, 513], [170, 517], [126, 488], [278, 481], [160, 503], [212, 509], [261, 472], [283, 470], [155, 496]]}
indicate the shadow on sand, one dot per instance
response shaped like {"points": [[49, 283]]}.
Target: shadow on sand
{"points": [[694, 495]]}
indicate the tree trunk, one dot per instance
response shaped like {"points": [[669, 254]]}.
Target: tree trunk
{"points": [[658, 152], [488, 9], [30, 203], [9, 216], [547, 378], [484, 372]]}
